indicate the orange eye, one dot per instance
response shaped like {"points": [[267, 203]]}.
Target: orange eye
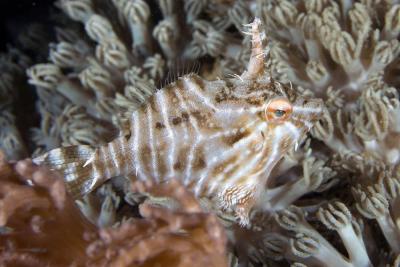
{"points": [[278, 110]]}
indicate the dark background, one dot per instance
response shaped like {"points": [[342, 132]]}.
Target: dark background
{"points": [[16, 14]]}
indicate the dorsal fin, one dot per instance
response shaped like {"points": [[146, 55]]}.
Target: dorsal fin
{"points": [[256, 63], [179, 68]]}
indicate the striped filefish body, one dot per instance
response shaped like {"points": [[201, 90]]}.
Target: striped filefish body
{"points": [[219, 138]]}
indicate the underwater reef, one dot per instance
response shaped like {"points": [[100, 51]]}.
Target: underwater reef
{"points": [[333, 200]]}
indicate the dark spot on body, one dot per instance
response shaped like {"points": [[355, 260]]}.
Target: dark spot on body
{"points": [[199, 160], [185, 116], [177, 166], [201, 117], [197, 114], [220, 97], [176, 120], [182, 157], [153, 104], [159, 125], [199, 164]]}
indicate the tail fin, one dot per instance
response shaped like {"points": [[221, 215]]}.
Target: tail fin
{"points": [[72, 163], [84, 167]]}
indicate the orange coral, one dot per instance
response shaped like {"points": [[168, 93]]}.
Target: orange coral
{"points": [[183, 237], [41, 225]]}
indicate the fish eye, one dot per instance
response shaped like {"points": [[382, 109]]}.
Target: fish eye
{"points": [[279, 113], [278, 110]]}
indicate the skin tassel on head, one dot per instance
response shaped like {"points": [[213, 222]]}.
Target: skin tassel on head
{"points": [[220, 138]]}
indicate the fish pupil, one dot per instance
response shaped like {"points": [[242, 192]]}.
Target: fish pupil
{"points": [[279, 113]]}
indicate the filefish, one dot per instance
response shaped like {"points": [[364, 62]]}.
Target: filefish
{"points": [[220, 138]]}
